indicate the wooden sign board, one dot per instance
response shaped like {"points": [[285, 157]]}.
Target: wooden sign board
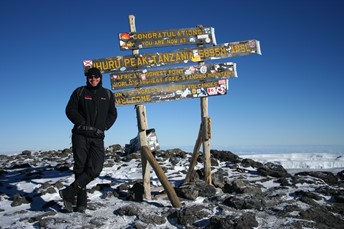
{"points": [[172, 37], [131, 62], [141, 78], [171, 91]]}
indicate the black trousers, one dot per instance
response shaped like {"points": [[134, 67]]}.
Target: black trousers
{"points": [[89, 156]]}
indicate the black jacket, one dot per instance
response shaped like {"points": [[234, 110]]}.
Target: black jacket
{"points": [[94, 107]]}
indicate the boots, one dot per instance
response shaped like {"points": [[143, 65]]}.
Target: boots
{"points": [[81, 201], [81, 197], [68, 196]]}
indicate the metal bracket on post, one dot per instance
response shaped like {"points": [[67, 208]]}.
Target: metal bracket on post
{"points": [[207, 128]]}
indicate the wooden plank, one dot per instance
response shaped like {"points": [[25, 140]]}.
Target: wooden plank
{"points": [[146, 152], [140, 78], [195, 154], [172, 91], [163, 38], [181, 56]]}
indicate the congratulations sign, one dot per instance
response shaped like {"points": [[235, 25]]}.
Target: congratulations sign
{"points": [[152, 39]]}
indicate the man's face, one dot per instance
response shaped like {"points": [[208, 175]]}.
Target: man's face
{"points": [[93, 80]]}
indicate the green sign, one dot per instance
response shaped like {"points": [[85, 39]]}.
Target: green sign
{"points": [[132, 62], [172, 37], [151, 77]]}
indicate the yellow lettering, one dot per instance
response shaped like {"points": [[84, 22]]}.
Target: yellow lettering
{"points": [[147, 43], [98, 65], [240, 48], [184, 55], [172, 41], [159, 42], [126, 61], [182, 40], [160, 59], [139, 61]]}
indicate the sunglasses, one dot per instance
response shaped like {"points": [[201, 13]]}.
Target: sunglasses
{"points": [[94, 76]]}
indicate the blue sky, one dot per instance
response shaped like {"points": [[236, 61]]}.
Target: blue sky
{"points": [[292, 95]]}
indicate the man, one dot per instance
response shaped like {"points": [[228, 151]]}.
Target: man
{"points": [[92, 110]]}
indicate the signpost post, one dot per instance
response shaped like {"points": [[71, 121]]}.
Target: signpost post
{"points": [[142, 127]]}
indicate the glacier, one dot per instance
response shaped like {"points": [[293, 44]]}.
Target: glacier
{"points": [[301, 160]]}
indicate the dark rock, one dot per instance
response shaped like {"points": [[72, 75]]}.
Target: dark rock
{"points": [[136, 155], [328, 177], [271, 169], [340, 175], [63, 167], [311, 195], [136, 192], [114, 149], [246, 162], [194, 189], [19, 200], [284, 182], [246, 221], [66, 153], [216, 222], [103, 186], [214, 162], [218, 178], [204, 189], [21, 166], [188, 215], [26, 153], [98, 221], [123, 187], [241, 186], [244, 202], [128, 210], [225, 156], [309, 201], [152, 219], [322, 217], [58, 185], [187, 191], [51, 222], [41, 216], [194, 176], [339, 199]]}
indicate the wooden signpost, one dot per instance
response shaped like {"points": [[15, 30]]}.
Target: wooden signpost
{"points": [[143, 78]]}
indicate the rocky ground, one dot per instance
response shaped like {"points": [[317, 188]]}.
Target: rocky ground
{"points": [[244, 193]]}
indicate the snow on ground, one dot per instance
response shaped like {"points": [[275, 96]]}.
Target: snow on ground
{"points": [[117, 173]]}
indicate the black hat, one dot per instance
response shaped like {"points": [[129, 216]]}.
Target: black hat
{"points": [[93, 72]]}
